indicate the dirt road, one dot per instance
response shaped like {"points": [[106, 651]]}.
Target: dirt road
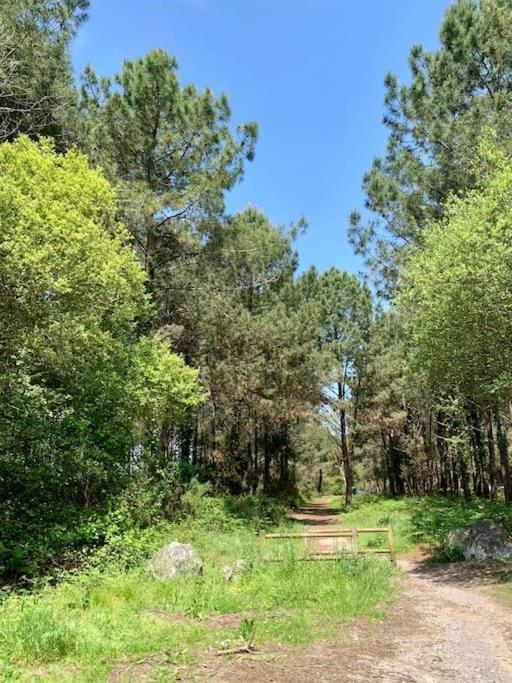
{"points": [[446, 626]]}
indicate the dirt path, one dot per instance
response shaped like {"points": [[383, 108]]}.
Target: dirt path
{"points": [[446, 626], [320, 515]]}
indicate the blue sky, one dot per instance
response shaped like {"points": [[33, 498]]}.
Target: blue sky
{"points": [[309, 71]]}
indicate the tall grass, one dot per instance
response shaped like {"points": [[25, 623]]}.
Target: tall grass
{"points": [[373, 511], [113, 612]]}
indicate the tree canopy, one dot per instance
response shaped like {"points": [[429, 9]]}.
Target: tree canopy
{"points": [[455, 93]]}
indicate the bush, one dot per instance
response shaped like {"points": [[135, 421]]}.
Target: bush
{"points": [[434, 517], [258, 511]]}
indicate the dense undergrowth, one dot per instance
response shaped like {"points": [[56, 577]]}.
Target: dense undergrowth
{"points": [[71, 538], [114, 613]]}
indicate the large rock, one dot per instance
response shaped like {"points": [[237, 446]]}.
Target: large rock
{"points": [[175, 559], [483, 540], [459, 538]]}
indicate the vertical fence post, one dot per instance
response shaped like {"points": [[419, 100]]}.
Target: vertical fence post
{"points": [[262, 543], [354, 541], [391, 541]]}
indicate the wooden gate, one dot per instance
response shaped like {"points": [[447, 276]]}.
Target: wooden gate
{"points": [[352, 547]]}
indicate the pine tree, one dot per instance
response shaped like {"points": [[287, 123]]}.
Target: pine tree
{"points": [[434, 124], [37, 93], [345, 310], [172, 151]]}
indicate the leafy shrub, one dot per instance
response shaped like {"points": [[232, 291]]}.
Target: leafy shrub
{"points": [[434, 517], [446, 553], [258, 510]]}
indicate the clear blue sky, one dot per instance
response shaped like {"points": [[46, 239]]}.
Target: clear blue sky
{"points": [[309, 71]]}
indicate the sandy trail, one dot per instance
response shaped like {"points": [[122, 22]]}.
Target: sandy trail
{"points": [[446, 626]]}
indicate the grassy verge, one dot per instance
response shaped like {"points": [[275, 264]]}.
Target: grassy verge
{"points": [[114, 614], [425, 520], [371, 511], [504, 592]]}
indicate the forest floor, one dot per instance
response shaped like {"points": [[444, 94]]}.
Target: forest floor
{"points": [[448, 624]]}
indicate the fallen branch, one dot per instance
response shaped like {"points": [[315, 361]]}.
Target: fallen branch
{"points": [[242, 650]]}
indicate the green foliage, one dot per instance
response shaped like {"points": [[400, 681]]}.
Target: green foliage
{"points": [[421, 520], [257, 511], [164, 389], [79, 386], [228, 513], [36, 80], [437, 382], [253, 334], [345, 305], [106, 436], [389, 448], [223, 286], [317, 452], [376, 511], [436, 516], [97, 411], [96, 619], [171, 149], [345, 312], [457, 289]]}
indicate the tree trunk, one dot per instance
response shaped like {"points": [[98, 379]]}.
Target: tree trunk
{"points": [[345, 453], [504, 461], [256, 476], [387, 470], [492, 454], [186, 442], [320, 479], [464, 472], [480, 485], [266, 462], [195, 441], [442, 449], [395, 466], [454, 475]]}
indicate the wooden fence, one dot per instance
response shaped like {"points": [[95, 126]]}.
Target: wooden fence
{"points": [[353, 548]]}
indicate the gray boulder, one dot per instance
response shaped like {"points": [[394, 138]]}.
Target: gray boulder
{"points": [[458, 538], [483, 540], [175, 559], [232, 571]]}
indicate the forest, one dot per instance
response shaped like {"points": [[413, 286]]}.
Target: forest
{"points": [[149, 339], [168, 368]]}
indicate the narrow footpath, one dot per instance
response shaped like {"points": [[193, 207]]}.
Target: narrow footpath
{"points": [[445, 626]]}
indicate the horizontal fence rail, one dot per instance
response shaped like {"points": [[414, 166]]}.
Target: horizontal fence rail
{"points": [[335, 554]]}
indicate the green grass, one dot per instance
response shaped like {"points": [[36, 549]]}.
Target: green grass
{"points": [[416, 521], [373, 511], [504, 592], [79, 629], [115, 613]]}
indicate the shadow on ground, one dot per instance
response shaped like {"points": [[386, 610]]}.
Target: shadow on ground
{"points": [[488, 573], [316, 514]]}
